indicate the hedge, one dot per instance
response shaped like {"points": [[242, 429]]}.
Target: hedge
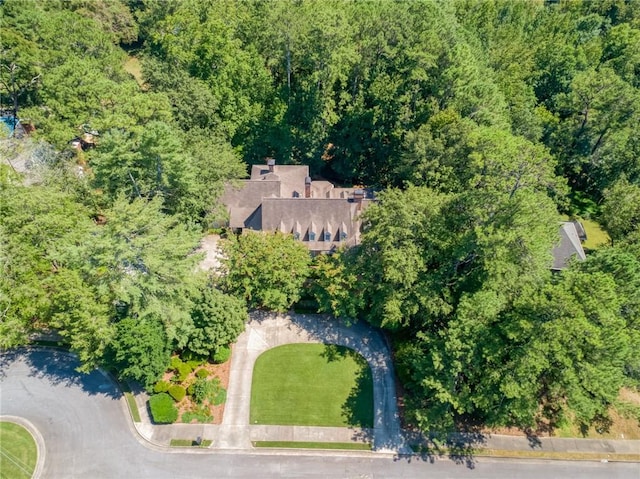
{"points": [[163, 409]]}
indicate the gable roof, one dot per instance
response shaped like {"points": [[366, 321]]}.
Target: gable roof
{"points": [[568, 247], [325, 223], [243, 199], [283, 198]]}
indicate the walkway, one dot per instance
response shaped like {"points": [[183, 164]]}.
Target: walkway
{"points": [[264, 332]]}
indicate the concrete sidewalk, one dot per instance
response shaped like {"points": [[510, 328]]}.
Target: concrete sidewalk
{"points": [[267, 331]]}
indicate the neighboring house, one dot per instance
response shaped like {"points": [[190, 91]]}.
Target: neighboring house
{"points": [[284, 198], [570, 246]]}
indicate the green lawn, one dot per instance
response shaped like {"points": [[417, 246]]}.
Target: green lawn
{"points": [[596, 236], [312, 385], [18, 452]]}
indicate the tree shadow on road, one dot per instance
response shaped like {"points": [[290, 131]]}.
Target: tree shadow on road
{"points": [[59, 367], [457, 447]]}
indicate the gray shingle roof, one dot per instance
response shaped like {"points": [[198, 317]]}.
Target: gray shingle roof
{"points": [[275, 201], [568, 247]]}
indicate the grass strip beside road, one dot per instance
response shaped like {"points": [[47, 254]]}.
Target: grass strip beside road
{"points": [[557, 455], [189, 443], [133, 407], [18, 451], [350, 446]]}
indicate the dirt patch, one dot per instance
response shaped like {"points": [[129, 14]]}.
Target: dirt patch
{"points": [[220, 371]]}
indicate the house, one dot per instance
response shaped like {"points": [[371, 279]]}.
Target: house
{"points": [[284, 198], [570, 246]]}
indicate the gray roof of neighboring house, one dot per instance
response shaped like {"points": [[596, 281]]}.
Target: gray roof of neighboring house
{"points": [[568, 247]]}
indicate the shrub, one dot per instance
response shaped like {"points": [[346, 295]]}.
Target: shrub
{"points": [[200, 414], [222, 355], [220, 397], [194, 364], [202, 373], [183, 371], [161, 387], [201, 389], [177, 392], [163, 409], [175, 363]]}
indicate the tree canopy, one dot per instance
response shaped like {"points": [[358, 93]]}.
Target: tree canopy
{"points": [[476, 124]]}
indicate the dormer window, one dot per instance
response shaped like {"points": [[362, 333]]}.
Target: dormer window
{"points": [[296, 235], [327, 236], [312, 236], [343, 236]]}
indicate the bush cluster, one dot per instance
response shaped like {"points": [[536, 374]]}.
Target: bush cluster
{"points": [[202, 373], [161, 387], [177, 392], [163, 409], [222, 355]]}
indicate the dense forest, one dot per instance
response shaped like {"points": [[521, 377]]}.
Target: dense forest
{"points": [[480, 124]]}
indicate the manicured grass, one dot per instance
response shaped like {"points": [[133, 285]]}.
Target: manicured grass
{"points": [[312, 385], [18, 451], [133, 407], [351, 446], [189, 443]]}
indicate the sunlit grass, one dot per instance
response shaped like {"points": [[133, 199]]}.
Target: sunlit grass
{"points": [[312, 385], [18, 451]]}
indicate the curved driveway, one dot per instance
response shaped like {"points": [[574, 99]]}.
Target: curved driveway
{"points": [[268, 331], [89, 435]]}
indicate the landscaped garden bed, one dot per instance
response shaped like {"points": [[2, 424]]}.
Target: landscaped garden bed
{"points": [[191, 391]]}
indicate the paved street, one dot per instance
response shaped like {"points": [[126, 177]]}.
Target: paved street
{"points": [[88, 434]]}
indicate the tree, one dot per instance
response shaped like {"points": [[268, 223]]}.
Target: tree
{"points": [[140, 350], [152, 164], [142, 263], [621, 209], [218, 319], [40, 226], [267, 270]]}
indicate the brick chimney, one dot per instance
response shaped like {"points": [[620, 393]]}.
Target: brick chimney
{"points": [[271, 163], [307, 187]]}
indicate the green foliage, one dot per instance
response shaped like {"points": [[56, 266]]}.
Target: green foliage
{"points": [[207, 390], [139, 350], [202, 373], [222, 355], [183, 371], [201, 414], [161, 387], [176, 362], [267, 270], [163, 409], [177, 392], [621, 209], [218, 319]]}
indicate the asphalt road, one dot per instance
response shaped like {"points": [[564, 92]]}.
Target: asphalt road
{"points": [[88, 435]]}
